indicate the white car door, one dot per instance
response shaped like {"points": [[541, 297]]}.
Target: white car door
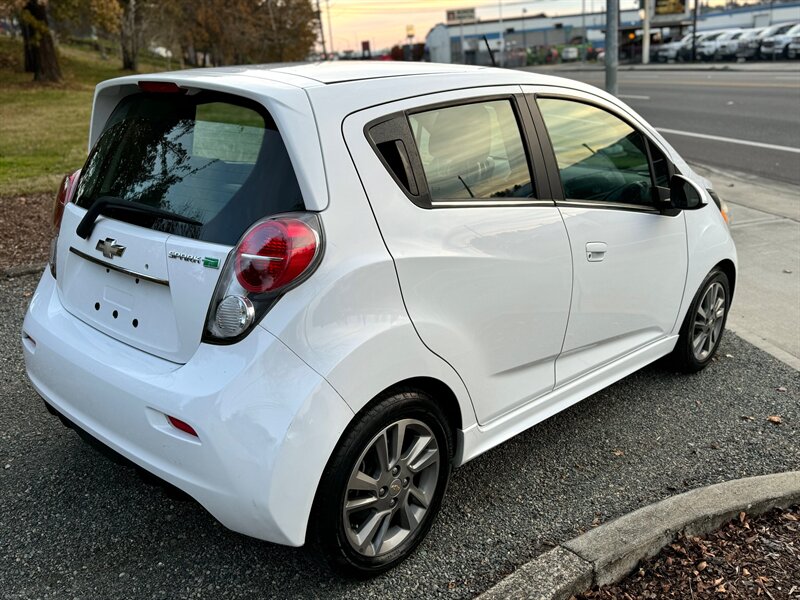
{"points": [[629, 259], [481, 251]]}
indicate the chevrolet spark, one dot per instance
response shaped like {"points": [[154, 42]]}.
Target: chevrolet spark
{"points": [[303, 295]]}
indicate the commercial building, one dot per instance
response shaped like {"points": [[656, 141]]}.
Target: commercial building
{"points": [[462, 42]]}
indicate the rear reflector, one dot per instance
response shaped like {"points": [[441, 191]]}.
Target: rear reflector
{"points": [[161, 87], [182, 425]]}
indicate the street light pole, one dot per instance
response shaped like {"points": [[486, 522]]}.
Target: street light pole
{"points": [[612, 46]]}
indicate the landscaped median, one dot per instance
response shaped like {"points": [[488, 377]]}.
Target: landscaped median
{"points": [[606, 554]]}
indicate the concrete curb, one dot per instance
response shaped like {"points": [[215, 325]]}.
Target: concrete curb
{"points": [[609, 552]]}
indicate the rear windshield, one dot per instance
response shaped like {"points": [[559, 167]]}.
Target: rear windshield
{"points": [[215, 158]]}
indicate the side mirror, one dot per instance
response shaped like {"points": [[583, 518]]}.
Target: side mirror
{"points": [[685, 194]]}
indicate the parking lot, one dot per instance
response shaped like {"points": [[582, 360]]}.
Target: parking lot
{"points": [[76, 525]]}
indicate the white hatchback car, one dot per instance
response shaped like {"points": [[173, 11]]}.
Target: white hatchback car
{"points": [[303, 294]]}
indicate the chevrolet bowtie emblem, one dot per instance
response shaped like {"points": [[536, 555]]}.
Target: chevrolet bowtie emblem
{"points": [[110, 248]]}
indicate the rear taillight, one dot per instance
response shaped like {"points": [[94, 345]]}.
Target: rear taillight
{"points": [[64, 196], [274, 253], [66, 192], [274, 256]]}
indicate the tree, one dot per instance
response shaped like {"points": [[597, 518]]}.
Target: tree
{"points": [[41, 57], [131, 33]]}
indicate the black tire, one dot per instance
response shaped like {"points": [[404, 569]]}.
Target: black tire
{"points": [[684, 356], [328, 528]]}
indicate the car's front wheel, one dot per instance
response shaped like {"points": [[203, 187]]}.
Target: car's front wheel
{"points": [[383, 485], [701, 332]]}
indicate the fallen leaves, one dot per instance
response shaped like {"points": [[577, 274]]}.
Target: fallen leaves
{"points": [[744, 559]]}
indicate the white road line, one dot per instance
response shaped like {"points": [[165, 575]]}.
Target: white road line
{"points": [[719, 138], [633, 97]]}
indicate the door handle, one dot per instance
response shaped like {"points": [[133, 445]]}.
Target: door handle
{"points": [[596, 251]]}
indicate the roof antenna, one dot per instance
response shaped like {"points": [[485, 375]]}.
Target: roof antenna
{"points": [[489, 48]]}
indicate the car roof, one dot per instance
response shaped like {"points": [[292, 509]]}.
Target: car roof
{"points": [[323, 73], [332, 72]]}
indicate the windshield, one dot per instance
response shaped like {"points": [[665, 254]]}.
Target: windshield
{"points": [[215, 158]]}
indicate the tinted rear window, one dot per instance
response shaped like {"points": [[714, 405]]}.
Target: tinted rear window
{"points": [[215, 158]]}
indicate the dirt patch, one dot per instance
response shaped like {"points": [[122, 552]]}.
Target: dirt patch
{"points": [[26, 229], [747, 558]]}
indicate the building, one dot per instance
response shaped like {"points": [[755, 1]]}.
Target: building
{"points": [[463, 42]]}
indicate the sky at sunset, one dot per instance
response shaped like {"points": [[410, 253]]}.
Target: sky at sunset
{"points": [[383, 22]]}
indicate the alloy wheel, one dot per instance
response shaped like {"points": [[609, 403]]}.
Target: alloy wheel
{"points": [[391, 487], [708, 321]]}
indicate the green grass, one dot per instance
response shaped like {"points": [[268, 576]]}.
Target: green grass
{"points": [[44, 128]]}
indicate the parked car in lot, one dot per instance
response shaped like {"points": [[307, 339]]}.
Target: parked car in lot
{"points": [[777, 45], [708, 48], [671, 51], [752, 50], [793, 50], [727, 45], [742, 43], [685, 51], [303, 294]]}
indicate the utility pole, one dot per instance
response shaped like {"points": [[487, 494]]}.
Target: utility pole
{"points": [[612, 46], [321, 31], [463, 54], [330, 30], [502, 35], [646, 33], [694, 29], [524, 37], [583, 27]]}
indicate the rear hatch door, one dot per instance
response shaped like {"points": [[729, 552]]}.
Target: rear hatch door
{"points": [[146, 278]]}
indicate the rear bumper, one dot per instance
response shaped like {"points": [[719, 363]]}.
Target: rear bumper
{"points": [[266, 422]]}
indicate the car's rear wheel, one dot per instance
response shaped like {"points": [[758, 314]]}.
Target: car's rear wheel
{"points": [[383, 485], [702, 329]]}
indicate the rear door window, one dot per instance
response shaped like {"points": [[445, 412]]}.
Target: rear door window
{"points": [[215, 158], [472, 151]]}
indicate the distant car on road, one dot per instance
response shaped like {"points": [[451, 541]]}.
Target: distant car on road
{"points": [[304, 294], [777, 45]]}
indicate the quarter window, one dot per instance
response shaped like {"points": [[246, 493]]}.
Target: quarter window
{"points": [[600, 157], [473, 151]]}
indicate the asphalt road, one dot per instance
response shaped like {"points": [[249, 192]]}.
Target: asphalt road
{"points": [[75, 525], [751, 106]]}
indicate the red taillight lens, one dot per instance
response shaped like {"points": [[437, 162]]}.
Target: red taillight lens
{"points": [[64, 196], [274, 253], [182, 425]]}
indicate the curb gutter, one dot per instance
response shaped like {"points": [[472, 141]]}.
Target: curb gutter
{"points": [[612, 550], [12, 272]]}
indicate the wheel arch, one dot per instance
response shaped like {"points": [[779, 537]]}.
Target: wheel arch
{"points": [[727, 267]]}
